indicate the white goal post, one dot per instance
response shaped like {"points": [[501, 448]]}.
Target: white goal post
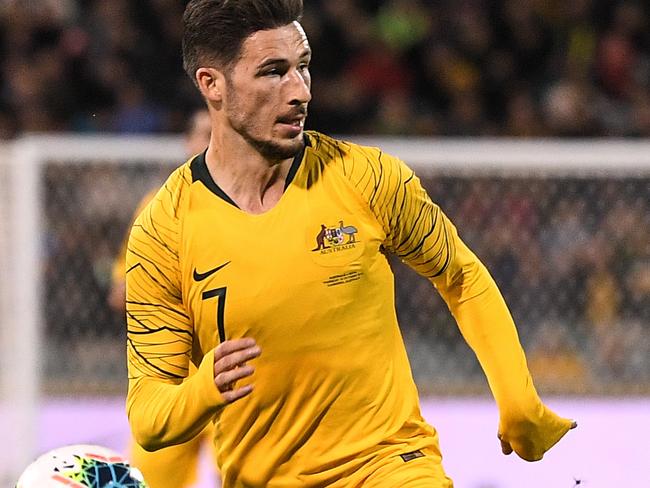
{"points": [[22, 164], [519, 157], [21, 320]]}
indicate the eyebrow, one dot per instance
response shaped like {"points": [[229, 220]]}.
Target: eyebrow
{"points": [[272, 61]]}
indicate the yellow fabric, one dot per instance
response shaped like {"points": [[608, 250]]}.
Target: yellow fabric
{"points": [[173, 466], [309, 281], [424, 472], [119, 263]]}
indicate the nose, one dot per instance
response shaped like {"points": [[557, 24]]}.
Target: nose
{"points": [[300, 87]]}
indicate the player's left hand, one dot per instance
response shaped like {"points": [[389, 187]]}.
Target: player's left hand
{"points": [[531, 439]]}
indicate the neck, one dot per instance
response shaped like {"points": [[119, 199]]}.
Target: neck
{"points": [[252, 181]]}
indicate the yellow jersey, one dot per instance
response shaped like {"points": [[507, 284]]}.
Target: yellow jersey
{"points": [[118, 271], [309, 280]]}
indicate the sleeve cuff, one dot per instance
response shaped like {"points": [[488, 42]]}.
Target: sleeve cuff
{"points": [[210, 394]]}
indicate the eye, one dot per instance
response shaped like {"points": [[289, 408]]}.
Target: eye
{"points": [[272, 70]]}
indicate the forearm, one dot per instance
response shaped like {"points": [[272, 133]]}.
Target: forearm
{"points": [[487, 326], [163, 414]]}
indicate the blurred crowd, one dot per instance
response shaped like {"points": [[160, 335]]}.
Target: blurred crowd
{"points": [[427, 67]]}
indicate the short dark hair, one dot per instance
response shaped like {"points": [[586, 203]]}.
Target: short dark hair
{"points": [[214, 30]]}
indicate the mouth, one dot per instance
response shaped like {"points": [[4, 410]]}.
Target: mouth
{"points": [[294, 121], [297, 122]]}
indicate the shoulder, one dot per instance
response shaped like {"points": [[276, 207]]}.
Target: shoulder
{"points": [[353, 160], [157, 229], [370, 170], [337, 151], [166, 203]]}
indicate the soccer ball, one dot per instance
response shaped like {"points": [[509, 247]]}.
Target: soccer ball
{"points": [[81, 466]]}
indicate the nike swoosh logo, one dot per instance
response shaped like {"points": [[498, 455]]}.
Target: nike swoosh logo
{"points": [[202, 276]]}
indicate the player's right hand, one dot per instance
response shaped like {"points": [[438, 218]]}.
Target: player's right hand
{"points": [[230, 359]]}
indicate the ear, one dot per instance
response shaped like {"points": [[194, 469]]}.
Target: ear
{"points": [[211, 83]]}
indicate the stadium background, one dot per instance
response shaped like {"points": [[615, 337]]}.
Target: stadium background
{"points": [[570, 253]]}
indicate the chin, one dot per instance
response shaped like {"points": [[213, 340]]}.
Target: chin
{"points": [[281, 149]]}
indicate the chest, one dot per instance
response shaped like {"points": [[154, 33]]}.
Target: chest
{"points": [[287, 277]]}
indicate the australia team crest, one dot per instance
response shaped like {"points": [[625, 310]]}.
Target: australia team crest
{"points": [[335, 239]]}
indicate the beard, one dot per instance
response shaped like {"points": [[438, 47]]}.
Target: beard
{"points": [[273, 150], [244, 124]]}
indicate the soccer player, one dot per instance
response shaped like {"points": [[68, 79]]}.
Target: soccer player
{"points": [[263, 261], [174, 466]]}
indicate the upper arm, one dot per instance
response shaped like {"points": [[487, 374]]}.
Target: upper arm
{"points": [[159, 330], [416, 229]]}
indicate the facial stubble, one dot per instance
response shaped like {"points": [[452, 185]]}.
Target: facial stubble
{"points": [[245, 127]]}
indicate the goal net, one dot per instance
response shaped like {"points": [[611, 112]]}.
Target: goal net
{"points": [[563, 226]]}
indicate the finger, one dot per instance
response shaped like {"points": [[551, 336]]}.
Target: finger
{"points": [[234, 359], [506, 448], [226, 380], [234, 395], [230, 346]]}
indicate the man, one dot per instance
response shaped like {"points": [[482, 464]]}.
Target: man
{"points": [[301, 366], [175, 466]]}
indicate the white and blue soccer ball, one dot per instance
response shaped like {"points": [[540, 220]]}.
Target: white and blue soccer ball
{"points": [[81, 466]]}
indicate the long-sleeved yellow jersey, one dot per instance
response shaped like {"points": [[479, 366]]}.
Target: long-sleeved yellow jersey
{"points": [[310, 282]]}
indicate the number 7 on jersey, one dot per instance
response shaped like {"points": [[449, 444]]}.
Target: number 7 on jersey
{"points": [[220, 293]]}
